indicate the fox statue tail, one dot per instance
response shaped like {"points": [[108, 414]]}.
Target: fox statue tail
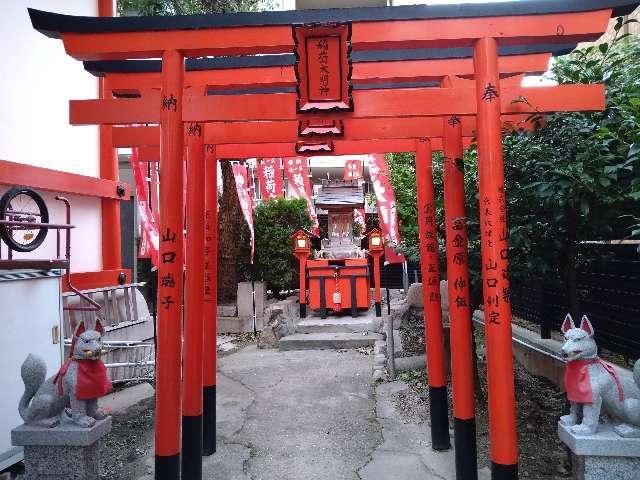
{"points": [[34, 372]]}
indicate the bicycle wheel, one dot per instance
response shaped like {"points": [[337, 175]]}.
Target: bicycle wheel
{"points": [[22, 204]]}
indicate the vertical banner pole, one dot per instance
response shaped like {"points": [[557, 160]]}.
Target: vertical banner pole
{"points": [[170, 270], [462, 377], [495, 278], [192, 400], [429, 265], [210, 309]]}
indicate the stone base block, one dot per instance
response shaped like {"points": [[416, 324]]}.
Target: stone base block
{"points": [[64, 452], [602, 456]]}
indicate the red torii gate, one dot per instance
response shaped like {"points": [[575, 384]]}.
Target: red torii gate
{"points": [[399, 27], [464, 402]]}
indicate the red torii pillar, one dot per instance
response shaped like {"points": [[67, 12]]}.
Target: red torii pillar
{"points": [[460, 331], [170, 270], [210, 309], [429, 265], [192, 400], [495, 277], [110, 227]]}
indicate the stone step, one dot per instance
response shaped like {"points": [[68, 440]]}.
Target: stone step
{"points": [[335, 325], [328, 341]]}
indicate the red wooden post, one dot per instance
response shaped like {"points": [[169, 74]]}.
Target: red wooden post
{"points": [[169, 333], [376, 279], [303, 285], [302, 249], [210, 301], [192, 400], [495, 279], [110, 228], [434, 335], [376, 250], [462, 381]]}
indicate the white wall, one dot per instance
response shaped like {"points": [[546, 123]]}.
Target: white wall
{"points": [[37, 80]]}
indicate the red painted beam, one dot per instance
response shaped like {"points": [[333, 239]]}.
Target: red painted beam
{"points": [[12, 173], [341, 147], [192, 43], [136, 136], [116, 111], [212, 79], [149, 154], [403, 102], [509, 30], [424, 70], [363, 73], [99, 279], [462, 32], [287, 131]]}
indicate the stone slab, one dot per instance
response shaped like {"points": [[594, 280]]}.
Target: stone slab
{"points": [[245, 299], [121, 400], [605, 442], [238, 325], [227, 310], [327, 341], [335, 325], [62, 435]]}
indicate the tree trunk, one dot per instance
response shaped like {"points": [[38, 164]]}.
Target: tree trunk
{"points": [[572, 254], [229, 224]]}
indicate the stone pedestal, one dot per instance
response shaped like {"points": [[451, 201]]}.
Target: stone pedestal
{"points": [[602, 456], [65, 452]]}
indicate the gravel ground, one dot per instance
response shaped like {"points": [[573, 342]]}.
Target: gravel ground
{"points": [[131, 438], [539, 405]]}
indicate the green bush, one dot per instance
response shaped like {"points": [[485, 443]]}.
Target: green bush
{"points": [[275, 221]]}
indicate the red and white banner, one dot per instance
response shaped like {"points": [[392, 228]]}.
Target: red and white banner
{"points": [[296, 171], [353, 169], [245, 198], [386, 202], [270, 178], [149, 238]]}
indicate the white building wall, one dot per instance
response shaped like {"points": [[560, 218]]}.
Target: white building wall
{"points": [[37, 80]]}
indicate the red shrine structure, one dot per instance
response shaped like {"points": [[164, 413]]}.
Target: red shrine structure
{"points": [[339, 277], [346, 81]]}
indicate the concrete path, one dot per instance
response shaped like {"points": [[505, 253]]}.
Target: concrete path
{"points": [[405, 452], [294, 415], [318, 415]]}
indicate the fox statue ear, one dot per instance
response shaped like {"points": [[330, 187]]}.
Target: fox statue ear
{"points": [[99, 328], [79, 330], [585, 325], [567, 324]]}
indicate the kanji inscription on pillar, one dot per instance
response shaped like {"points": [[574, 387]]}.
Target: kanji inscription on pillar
{"points": [[323, 67]]}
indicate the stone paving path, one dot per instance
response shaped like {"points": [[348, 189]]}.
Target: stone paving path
{"points": [[316, 415], [294, 415]]}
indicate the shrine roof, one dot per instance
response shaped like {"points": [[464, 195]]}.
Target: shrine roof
{"points": [[53, 24], [340, 196], [101, 67]]}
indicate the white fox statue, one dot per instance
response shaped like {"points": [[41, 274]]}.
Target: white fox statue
{"points": [[70, 396], [594, 385]]}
